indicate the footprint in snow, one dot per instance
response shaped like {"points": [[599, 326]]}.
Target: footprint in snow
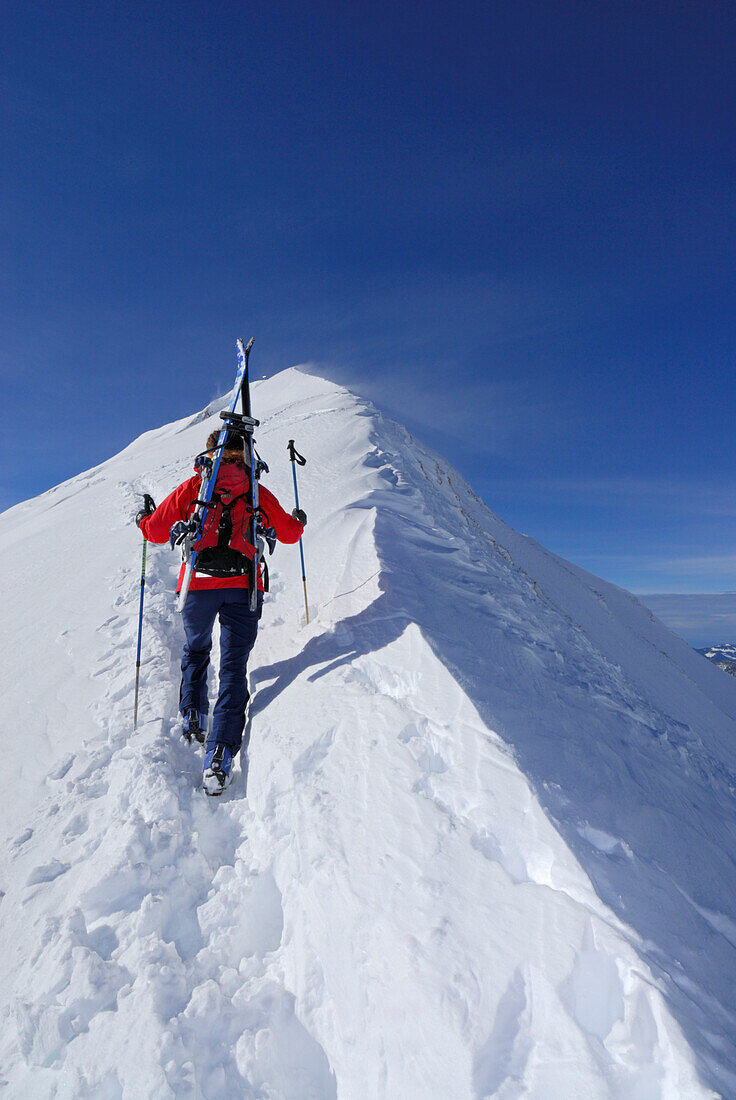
{"points": [[21, 839], [312, 757], [62, 767], [47, 872], [74, 828]]}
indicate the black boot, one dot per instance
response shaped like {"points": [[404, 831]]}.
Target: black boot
{"points": [[193, 727]]}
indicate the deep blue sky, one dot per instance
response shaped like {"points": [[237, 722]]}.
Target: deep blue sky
{"points": [[510, 224]]}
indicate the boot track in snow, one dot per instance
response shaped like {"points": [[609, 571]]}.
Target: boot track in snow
{"points": [[487, 844]]}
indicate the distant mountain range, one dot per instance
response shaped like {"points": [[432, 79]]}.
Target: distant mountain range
{"points": [[722, 655]]}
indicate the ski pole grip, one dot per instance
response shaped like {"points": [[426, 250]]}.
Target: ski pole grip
{"points": [[294, 455]]}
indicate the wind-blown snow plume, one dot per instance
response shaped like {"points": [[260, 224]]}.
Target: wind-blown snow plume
{"points": [[487, 845]]}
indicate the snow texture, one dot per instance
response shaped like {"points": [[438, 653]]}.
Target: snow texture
{"points": [[487, 848]]}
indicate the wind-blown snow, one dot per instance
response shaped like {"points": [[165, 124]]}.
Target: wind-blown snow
{"points": [[487, 845]]}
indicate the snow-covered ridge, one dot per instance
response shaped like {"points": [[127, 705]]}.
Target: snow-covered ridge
{"points": [[726, 650], [723, 656], [487, 846]]}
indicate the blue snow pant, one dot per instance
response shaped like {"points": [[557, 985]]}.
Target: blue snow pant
{"points": [[238, 629]]}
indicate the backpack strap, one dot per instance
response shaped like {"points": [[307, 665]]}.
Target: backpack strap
{"points": [[225, 526]]}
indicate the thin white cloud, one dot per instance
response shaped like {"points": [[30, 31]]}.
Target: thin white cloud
{"points": [[680, 495], [697, 566], [637, 570], [701, 619]]}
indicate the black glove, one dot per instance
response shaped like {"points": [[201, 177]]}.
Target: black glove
{"points": [[149, 507], [300, 515], [180, 530]]}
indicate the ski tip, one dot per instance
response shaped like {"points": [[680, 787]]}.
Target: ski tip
{"points": [[245, 348]]}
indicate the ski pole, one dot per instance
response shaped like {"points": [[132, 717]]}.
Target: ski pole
{"points": [[140, 635], [295, 457]]}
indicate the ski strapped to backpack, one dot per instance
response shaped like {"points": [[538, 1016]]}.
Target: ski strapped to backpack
{"points": [[242, 424], [247, 432]]}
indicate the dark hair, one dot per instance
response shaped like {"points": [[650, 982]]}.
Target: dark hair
{"points": [[233, 442]]}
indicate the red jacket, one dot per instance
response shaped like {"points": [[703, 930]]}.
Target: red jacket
{"points": [[232, 482]]}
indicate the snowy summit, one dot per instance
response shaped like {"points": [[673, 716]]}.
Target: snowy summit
{"points": [[487, 843]]}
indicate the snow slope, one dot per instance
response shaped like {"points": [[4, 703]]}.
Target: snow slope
{"points": [[488, 842]]}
